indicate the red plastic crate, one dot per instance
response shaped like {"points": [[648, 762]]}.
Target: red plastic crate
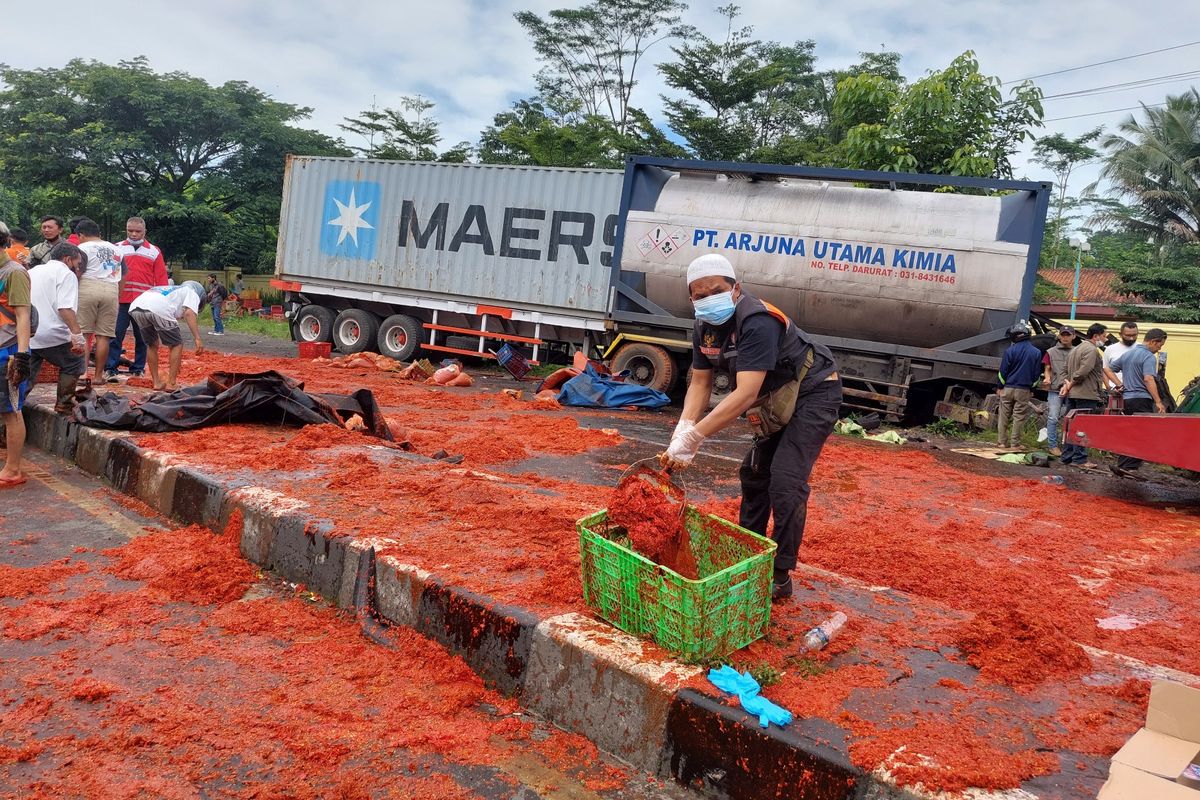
{"points": [[315, 349]]}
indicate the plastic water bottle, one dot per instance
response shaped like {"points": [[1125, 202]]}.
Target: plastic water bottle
{"points": [[818, 637], [1057, 480]]}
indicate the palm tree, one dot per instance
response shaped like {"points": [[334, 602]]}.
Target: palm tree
{"points": [[1155, 164]]}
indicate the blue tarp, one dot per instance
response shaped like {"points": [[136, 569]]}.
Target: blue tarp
{"points": [[592, 390]]}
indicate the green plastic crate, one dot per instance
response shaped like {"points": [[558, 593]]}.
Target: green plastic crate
{"points": [[727, 609]]}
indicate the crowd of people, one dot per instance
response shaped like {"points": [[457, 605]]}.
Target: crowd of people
{"points": [[1080, 373], [71, 298]]}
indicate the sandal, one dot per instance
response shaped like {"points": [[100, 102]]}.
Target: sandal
{"points": [[8, 483]]}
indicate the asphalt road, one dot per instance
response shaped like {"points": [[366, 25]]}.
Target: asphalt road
{"points": [[721, 456], [113, 683]]}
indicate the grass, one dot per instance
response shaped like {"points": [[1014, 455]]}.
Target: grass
{"points": [[249, 325], [543, 370]]}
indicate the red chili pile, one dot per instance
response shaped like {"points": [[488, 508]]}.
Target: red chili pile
{"points": [[651, 515], [1013, 573], [1011, 647], [127, 691]]}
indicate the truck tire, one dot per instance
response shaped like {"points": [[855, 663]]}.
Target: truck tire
{"points": [[648, 365], [354, 331], [721, 387], [314, 324], [399, 336]]}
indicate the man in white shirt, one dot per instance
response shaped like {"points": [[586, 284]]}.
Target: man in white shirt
{"points": [[54, 292], [157, 313], [1129, 337], [99, 291]]}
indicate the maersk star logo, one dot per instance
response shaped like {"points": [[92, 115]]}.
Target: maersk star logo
{"points": [[350, 221]]}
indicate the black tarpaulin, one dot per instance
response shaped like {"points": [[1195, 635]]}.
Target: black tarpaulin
{"points": [[265, 397]]}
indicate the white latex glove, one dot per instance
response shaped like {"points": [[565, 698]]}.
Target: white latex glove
{"points": [[683, 425], [78, 343], [684, 446]]}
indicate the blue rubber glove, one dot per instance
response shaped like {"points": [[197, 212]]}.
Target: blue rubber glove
{"points": [[728, 679]]}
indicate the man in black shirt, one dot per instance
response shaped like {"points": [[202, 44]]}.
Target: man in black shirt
{"points": [[770, 361]]}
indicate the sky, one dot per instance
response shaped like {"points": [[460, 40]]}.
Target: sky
{"points": [[473, 60]]}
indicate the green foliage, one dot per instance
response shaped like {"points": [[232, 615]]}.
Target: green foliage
{"points": [[533, 133], [251, 325], [946, 428], [1045, 291], [544, 370], [953, 122], [805, 666], [1165, 274], [198, 161], [745, 99], [1061, 155], [407, 133], [591, 54], [765, 673], [1155, 165], [720, 80]]}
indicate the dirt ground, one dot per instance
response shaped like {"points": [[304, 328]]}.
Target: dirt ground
{"points": [[1002, 629]]}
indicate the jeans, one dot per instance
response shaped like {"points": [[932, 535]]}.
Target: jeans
{"points": [[1054, 412], [1074, 453], [218, 324], [775, 472], [1134, 405], [114, 349], [1014, 403]]}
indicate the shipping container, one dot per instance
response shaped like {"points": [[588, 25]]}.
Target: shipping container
{"points": [[911, 289], [521, 252], [529, 237]]}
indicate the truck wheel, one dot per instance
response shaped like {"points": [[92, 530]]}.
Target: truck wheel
{"points": [[648, 365], [314, 324], [399, 336], [721, 387], [354, 331]]}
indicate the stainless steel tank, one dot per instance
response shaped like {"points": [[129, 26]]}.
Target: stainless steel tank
{"points": [[911, 268]]}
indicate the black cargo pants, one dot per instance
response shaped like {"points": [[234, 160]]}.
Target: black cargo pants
{"points": [[775, 472]]}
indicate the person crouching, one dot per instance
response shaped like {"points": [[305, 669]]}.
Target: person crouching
{"points": [[157, 313]]}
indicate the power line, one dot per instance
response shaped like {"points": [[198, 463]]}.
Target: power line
{"points": [[1119, 87], [1101, 63], [1110, 111]]}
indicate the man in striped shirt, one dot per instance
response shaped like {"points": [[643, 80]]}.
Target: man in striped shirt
{"points": [[144, 268]]}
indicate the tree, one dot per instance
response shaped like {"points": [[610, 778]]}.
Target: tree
{"points": [[786, 104], [532, 132], [592, 54], [1061, 155], [883, 63], [110, 141], [1164, 274], [953, 122], [1155, 164], [407, 133], [722, 79]]}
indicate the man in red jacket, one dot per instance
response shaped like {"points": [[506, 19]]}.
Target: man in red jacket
{"points": [[144, 268]]}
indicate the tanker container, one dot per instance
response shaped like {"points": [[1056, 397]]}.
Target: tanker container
{"points": [[912, 289]]}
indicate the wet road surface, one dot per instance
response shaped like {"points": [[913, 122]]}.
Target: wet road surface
{"points": [[141, 661]]}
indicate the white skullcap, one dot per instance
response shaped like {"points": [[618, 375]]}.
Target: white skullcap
{"points": [[710, 265]]}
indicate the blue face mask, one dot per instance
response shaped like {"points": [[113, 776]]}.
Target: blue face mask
{"points": [[716, 309]]}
